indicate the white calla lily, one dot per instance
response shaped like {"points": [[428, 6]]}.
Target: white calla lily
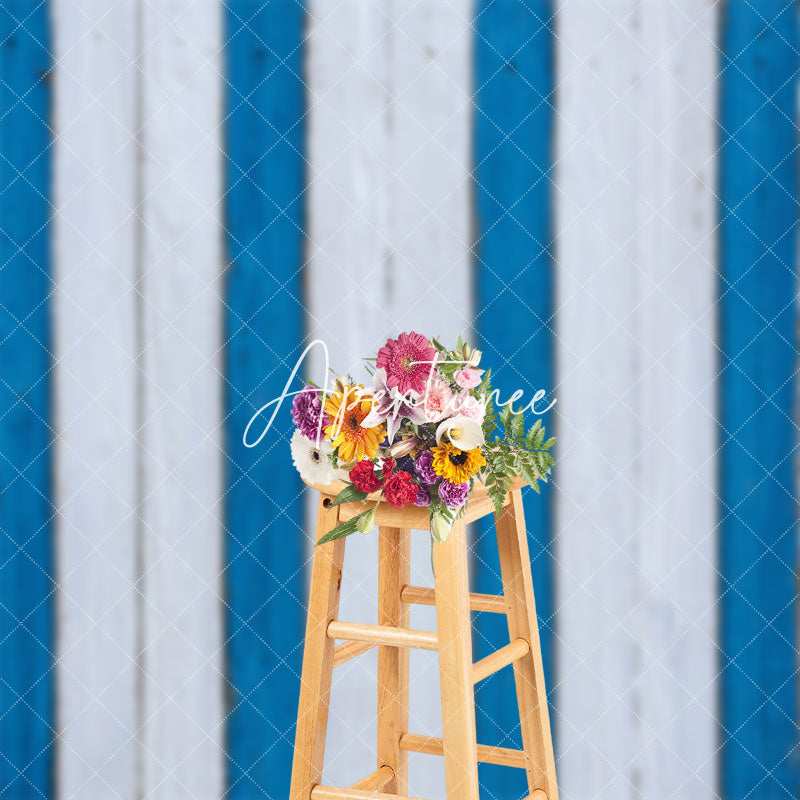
{"points": [[463, 432]]}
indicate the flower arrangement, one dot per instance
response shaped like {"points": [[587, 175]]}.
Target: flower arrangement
{"points": [[425, 432]]}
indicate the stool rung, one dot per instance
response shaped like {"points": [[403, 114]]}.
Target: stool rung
{"points": [[505, 757], [499, 659], [332, 793], [344, 652], [376, 781], [539, 794], [382, 634], [494, 604]]}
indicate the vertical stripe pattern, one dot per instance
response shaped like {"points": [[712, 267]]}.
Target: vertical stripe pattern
{"points": [[265, 545], [96, 385], [601, 194], [758, 435], [513, 119], [181, 625], [389, 195], [636, 495], [26, 431]]}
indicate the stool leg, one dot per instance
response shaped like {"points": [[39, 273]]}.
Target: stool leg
{"points": [[393, 574], [515, 567], [455, 666], [315, 685]]}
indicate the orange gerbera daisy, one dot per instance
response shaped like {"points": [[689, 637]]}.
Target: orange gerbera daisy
{"points": [[347, 409]]}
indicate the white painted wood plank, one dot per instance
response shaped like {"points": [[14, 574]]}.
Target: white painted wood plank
{"points": [[182, 682], [95, 379], [635, 502], [389, 229], [429, 277]]}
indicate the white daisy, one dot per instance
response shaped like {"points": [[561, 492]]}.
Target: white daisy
{"points": [[312, 462]]}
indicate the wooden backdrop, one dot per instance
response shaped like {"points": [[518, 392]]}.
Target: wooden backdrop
{"points": [[601, 195]]}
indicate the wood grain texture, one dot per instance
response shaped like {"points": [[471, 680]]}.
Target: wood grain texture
{"points": [[636, 487], [315, 684], [758, 402], [382, 634], [459, 735], [27, 603], [96, 383], [513, 76], [332, 793], [265, 548], [508, 654], [494, 604], [181, 389], [344, 652], [376, 781], [432, 745], [394, 569], [529, 676]]}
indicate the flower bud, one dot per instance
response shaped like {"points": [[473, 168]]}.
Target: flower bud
{"points": [[440, 528], [366, 522], [404, 447], [474, 358]]}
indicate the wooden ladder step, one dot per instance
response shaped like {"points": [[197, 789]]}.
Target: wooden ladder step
{"points": [[383, 634], [376, 781], [503, 756], [344, 652], [500, 658], [493, 603], [332, 793]]}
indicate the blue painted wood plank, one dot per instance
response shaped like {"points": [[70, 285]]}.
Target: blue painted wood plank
{"points": [[26, 545], [514, 287], [264, 328], [758, 285]]}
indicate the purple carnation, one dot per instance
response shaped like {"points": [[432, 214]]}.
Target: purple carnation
{"points": [[423, 466], [423, 498], [454, 495], [307, 410]]}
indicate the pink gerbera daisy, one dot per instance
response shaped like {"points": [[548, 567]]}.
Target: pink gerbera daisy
{"points": [[408, 361]]}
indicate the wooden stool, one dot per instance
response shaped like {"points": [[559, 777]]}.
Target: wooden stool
{"points": [[453, 641]]}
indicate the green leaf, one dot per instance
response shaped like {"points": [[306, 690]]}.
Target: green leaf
{"points": [[530, 438], [505, 420], [517, 425], [348, 495], [344, 528]]}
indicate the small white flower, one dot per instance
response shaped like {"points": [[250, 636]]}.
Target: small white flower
{"points": [[312, 462], [461, 431]]}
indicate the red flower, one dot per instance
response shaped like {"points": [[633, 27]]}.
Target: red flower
{"points": [[399, 490], [388, 467], [364, 477]]}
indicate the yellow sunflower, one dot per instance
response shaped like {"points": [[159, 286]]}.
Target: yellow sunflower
{"points": [[347, 409], [457, 465]]}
